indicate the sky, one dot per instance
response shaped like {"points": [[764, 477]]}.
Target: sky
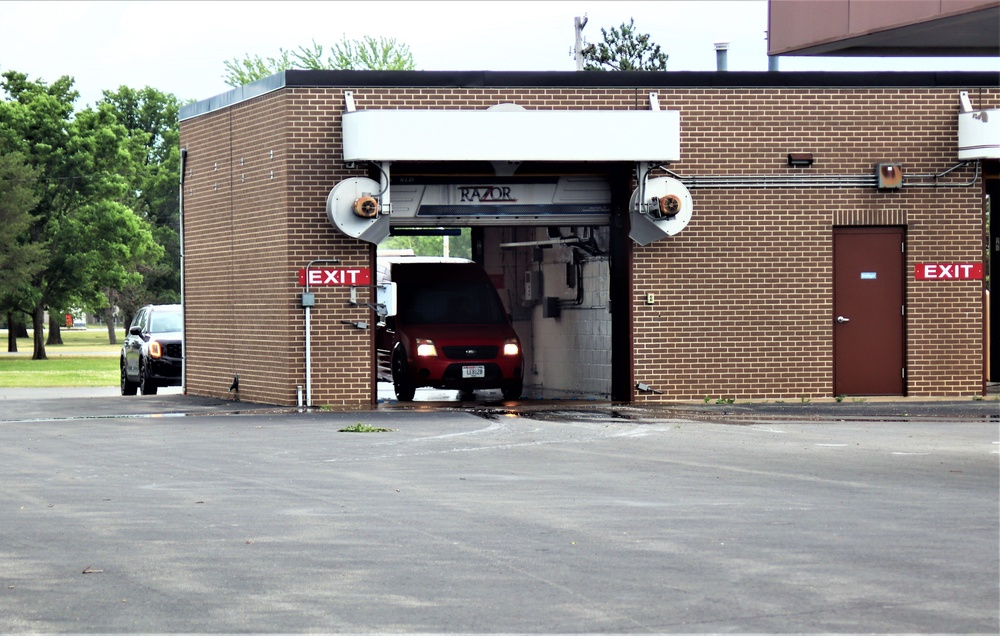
{"points": [[181, 47]]}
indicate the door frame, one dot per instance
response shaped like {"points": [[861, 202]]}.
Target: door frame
{"points": [[901, 232]]}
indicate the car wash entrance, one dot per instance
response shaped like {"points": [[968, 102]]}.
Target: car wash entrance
{"points": [[552, 199], [554, 209], [545, 238]]}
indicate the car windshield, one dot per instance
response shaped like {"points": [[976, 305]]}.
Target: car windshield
{"points": [[451, 303], [165, 322]]}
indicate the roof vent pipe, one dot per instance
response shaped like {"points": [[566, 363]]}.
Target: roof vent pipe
{"points": [[721, 56], [772, 63]]}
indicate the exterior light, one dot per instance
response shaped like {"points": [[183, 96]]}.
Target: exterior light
{"points": [[800, 159]]}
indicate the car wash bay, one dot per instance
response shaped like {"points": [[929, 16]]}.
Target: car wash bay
{"points": [[550, 219], [544, 234]]}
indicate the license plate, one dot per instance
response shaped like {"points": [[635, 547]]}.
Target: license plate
{"points": [[478, 371]]}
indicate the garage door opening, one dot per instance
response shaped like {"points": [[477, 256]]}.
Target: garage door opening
{"points": [[554, 282]]}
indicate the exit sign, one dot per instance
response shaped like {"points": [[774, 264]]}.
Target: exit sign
{"points": [[949, 271], [319, 276]]}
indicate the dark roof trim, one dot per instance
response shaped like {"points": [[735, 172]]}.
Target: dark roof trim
{"points": [[589, 79]]}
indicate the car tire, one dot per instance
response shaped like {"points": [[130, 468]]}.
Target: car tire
{"points": [[512, 390], [128, 387], [401, 382], [146, 386]]}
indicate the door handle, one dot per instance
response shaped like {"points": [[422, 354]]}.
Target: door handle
{"points": [[842, 320]]}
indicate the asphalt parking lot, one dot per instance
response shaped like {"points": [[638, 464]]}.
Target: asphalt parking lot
{"points": [[174, 513]]}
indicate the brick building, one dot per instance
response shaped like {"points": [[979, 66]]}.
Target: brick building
{"points": [[812, 197]]}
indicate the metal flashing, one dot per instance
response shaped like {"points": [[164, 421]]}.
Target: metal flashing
{"points": [[638, 80]]}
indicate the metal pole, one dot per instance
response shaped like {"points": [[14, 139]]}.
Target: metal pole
{"points": [[308, 360], [578, 24], [180, 200], [308, 330]]}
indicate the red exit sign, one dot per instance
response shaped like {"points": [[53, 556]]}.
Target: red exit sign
{"points": [[949, 271], [319, 276]]}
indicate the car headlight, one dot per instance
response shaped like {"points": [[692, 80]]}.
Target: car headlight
{"points": [[155, 349], [426, 348], [511, 347]]}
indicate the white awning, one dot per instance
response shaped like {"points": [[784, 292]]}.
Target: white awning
{"points": [[500, 135]]}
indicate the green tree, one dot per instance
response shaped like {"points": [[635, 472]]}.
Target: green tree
{"points": [[623, 49], [90, 236], [151, 119], [19, 260], [460, 246], [368, 53]]}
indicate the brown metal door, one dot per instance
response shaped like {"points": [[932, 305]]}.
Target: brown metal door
{"points": [[868, 328]]}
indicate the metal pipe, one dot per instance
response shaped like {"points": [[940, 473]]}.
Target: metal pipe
{"points": [[813, 181], [777, 181], [642, 170], [308, 358], [308, 326], [941, 174], [180, 214], [722, 56], [964, 184]]}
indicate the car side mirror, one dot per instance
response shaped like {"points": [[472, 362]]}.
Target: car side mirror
{"points": [[135, 331]]}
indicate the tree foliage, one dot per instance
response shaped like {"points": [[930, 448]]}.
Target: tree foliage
{"points": [[91, 237], [151, 119], [368, 53], [460, 245], [624, 49], [19, 259]]}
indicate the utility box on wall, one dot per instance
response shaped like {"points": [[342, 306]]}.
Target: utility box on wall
{"points": [[979, 135], [890, 176], [532, 287]]}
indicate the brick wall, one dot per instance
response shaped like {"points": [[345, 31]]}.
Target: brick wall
{"points": [[743, 295], [747, 285]]}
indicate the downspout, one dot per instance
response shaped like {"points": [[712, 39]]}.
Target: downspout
{"points": [[180, 200]]}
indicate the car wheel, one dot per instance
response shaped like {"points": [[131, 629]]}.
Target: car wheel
{"points": [[512, 390], [401, 382], [146, 386], [128, 388]]}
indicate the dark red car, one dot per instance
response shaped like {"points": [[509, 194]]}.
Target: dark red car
{"points": [[450, 330]]}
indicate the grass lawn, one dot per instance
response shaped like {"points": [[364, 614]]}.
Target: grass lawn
{"points": [[23, 372], [84, 359]]}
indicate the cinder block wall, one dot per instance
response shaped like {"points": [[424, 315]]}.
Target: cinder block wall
{"points": [[743, 295]]}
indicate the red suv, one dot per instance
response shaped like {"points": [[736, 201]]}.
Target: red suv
{"points": [[450, 330]]}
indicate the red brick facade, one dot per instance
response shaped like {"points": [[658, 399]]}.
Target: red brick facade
{"points": [[744, 293]]}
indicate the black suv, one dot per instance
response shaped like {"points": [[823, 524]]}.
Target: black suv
{"points": [[151, 353]]}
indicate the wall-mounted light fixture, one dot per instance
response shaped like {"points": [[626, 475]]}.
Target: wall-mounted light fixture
{"points": [[800, 159]]}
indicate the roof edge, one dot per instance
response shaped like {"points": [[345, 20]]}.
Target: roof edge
{"points": [[589, 79]]}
